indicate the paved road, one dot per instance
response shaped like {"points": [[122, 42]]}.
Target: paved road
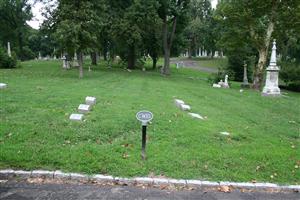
{"points": [[193, 65], [27, 191]]}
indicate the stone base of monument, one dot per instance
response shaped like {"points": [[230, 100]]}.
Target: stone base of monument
{"points": [[271, 92]]}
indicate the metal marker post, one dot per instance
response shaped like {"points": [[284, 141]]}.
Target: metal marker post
{"points": [[144, 136], [144, 117]]}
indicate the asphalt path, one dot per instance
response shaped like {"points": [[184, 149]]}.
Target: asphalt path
{"points": [[187, 63], [49, 191]]}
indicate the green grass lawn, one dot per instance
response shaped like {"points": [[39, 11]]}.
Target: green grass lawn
{"points": [[35, 131]]}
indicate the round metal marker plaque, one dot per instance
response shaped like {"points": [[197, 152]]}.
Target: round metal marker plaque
{"points": [[144, 116]]}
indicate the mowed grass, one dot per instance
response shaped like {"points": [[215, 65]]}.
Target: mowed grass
{"points": [[36, 132]]}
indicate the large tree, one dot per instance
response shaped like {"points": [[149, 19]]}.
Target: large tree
{"points": [[255, 21], [13, 17], [76, 24], [173, 14]]}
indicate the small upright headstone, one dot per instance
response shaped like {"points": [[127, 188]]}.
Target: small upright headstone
{"points": [[3, 85], [40, 56], [76, 117], [90, 100], [226, 85], [75, 60], [84, 108], [271, 88], [245, 83], [65, 63], [8, 49]]}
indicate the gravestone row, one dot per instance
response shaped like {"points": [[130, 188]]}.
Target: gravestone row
{"points": [[83, 109], [180, 104]]}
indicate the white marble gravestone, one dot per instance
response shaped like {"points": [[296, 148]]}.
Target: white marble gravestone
{"points": [[65, 63], [226, 85], [75, 60], [76, 117], [271, 88], [90, 100], [3, 85], [185, 107], [8, 49], [84, 108], [195, 115], [178, 102]]}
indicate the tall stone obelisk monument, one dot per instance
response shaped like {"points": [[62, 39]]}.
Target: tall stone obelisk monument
{"points": [[8, 49], [271, 88]]}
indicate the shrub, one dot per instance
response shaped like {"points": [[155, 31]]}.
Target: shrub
{"points": [[6, 61], [290, 74], [220, 75]]}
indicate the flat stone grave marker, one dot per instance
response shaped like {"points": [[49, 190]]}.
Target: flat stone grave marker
{"points": [[3, 85], [178, 102], [90, 100], [185, 107], [76, 117], [195, 115], [84, 108], [225, 133]]}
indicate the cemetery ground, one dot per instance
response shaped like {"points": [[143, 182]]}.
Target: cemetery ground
{"points": [[36, 132]]}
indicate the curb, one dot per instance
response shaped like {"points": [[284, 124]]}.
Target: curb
{"points": [[59, 175]]}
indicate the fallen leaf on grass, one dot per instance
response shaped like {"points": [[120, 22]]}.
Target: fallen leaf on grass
{"points": [[225, 189], [125, 155]]}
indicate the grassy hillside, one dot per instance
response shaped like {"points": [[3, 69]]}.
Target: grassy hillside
{"points": [[35, 131]]}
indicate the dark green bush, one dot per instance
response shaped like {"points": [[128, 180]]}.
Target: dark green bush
{"points": [[220, 75], [290, 74], [6, 61]]}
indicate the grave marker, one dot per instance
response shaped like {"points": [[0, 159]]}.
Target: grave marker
{"points": [[84, 108]]}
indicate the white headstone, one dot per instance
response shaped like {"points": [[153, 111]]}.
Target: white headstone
{"points": [[3, 85], [226, 85], [178, 102], [40, 56], [84, 108], [185, 107], [271, 88], [8, 49], [225, 133], [195, 115], [216, 85], [90, 100], [65, 63], [75, 61], [76, 117]]}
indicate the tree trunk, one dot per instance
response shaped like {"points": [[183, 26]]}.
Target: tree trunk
{"points": [[131, 57], [80, 61], [154, 62], [262, 61], [94, 58], [259, 71], [167, 44]]}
